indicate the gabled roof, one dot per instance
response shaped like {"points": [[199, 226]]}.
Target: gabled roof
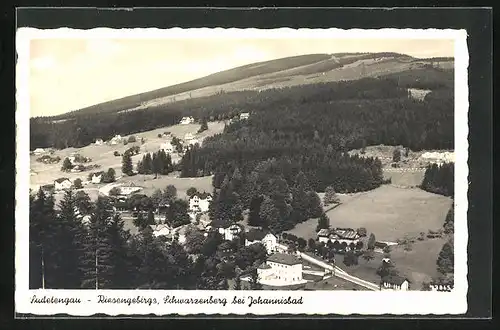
{"points": [[347, 233], [282, 258], [61, 180], [264, 266], [256, 234], [202, 195], [324, 232], [394, 279]]}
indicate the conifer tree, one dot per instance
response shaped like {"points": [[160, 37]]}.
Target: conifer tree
{"points": [[127, 167], [69, 236], [253, 214], [97, 264]]}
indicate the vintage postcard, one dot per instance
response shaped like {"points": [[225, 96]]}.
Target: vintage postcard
{"points": [[241, 171]]}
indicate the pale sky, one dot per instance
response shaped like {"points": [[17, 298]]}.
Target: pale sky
{"points": [[69, 74]]}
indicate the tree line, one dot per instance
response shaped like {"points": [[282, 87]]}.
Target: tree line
{"points": [[68, 253], [157, 163], [439, 179]]}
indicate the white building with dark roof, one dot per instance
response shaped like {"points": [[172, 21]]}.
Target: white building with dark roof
{"points": [[281, 269], [266, 238], [199, 202], [186, 120], [394, 283], [62, 183]]}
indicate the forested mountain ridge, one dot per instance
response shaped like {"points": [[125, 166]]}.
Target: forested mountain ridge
{"points": [[85, 128], [264, 75]]}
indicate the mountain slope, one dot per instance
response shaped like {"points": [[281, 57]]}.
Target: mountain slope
{"points": [[285, 72]]}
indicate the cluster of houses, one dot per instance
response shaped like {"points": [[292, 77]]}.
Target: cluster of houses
{"points": [[186, 120]]}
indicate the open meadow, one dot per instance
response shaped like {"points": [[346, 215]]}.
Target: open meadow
{"points": [[418, 265], [391, 213]]}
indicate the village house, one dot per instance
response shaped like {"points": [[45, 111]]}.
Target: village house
{"points": [[192, 142], [167, 147], [264, 237], [344, 236], [48, 189], [39, 151], [281, 269], [99, 142], [73, 156], [231, 232], [78, 168], [199, 202], [179, 233], [394, 283], [97, 177], [160, 230], [244, 115], [62, 184], [130, 189], [116, 140], [324, 235], [188, 136], [186, 120]]}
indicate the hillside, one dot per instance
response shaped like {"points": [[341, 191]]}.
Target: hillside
{"points": [[285, 72]]}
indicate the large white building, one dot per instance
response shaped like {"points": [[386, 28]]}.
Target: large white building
{"points": [[281, 269], [264, 237], [199, 202]]}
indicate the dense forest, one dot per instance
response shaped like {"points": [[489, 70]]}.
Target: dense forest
{"points": [[439, 179], [377, 98], [66, 253]]}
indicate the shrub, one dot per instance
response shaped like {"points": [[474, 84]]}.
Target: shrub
{"points": [[131, 139], [116, 153]]}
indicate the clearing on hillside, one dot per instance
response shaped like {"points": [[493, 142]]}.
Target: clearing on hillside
{"points": [[103, 155], [391, 213]]}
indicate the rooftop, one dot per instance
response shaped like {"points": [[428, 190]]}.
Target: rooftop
{"points": [[347, 233], [394, 279], [324, 232], [256, 234], [264, 266], [282, 258], [61, 180]]}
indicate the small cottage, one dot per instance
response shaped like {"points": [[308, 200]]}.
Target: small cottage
{"points": [[394, 283], [62, 184], [265, 237]]}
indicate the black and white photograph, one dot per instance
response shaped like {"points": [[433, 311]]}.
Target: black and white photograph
{"points": [[241, 171]]}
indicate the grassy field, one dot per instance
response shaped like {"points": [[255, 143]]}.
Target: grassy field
{"points": [[103, 155], [418, 265], [150, 184], [391, 212], [333, 283], [307, 229], [408, 179]]}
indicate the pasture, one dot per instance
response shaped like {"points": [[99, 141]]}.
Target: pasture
{"points": [[418, 265], [391, 213]]}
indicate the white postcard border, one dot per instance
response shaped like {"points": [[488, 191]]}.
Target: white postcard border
{"points": [[317, 302]]}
